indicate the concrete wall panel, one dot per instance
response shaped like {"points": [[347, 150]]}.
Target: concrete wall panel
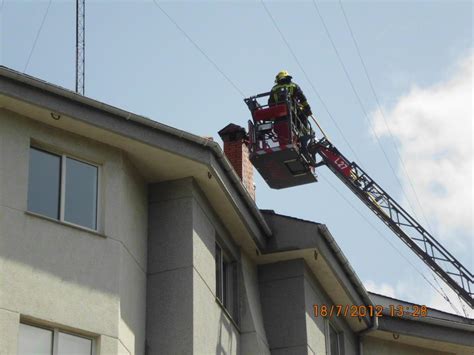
{"points": [[169, 323], [214, 332], [253, 344], [292, 350], [203, 244], [253, 338], [183, 231], [373, 346], [288, 293], [9, 322], [14, 144], [60, 274], [316, 327], [132, 326], [109, 345], [170, 231], [283, 305], [134, 224]]}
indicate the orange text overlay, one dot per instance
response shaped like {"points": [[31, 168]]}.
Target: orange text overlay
{"points": [[339, 310]]}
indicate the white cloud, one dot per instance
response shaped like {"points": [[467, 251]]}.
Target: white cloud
{"points": [[426, 295], [382, 289], [434, 131], [438, 301], [412, 290], [433, 128]]}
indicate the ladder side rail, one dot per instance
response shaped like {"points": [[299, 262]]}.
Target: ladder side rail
{"points": [[395, 218], [262, 95], [464, 292], [405, 219]]}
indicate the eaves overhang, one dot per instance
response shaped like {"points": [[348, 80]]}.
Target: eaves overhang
{"points": [[22, 88], [296, 238], [432, 315], [433, 329]]}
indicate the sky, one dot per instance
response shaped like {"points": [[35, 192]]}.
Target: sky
{"points": [[404, 112]]}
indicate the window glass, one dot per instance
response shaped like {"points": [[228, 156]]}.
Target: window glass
{"points": [[81, 193], [334, 341], [73, 345], [218, 272], [235, 292], [44, 183], [34, 341], [226, 282]]}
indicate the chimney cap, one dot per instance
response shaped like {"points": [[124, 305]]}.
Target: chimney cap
{"points": [[232, 132]]}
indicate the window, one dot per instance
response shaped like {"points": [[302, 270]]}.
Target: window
{"points": [[63, 188], [334, 346], [226, 282], [40, 341]]}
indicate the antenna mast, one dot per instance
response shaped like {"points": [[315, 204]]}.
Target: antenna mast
{"points": [[80, 45]]}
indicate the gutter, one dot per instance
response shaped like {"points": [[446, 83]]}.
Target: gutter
{"points": [[225, 164], [434, 316], [374, 322], [363, 333], [206, 143], [213, 146], [345, 264], [372, 328]]}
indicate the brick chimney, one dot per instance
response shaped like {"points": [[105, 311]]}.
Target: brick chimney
{"points": [[237, 153]]}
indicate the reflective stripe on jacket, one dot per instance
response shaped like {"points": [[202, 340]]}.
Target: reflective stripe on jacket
{"points": [[294, 91]]}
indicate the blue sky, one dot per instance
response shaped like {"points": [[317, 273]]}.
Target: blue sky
{"points": [[136, 59]]}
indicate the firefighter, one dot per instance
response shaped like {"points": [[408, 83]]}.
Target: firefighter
{"points": [[284, 84]]}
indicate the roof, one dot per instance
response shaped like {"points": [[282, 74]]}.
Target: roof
{"points": [[433, 329], [39, 93], [292, 234], [295, 236], [272, 212], [433, 315]]}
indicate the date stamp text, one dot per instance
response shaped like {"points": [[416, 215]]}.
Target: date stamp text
{"points": [[339, 310]]}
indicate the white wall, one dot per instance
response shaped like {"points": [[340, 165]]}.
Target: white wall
{"points": [[317, 328], [64, 276], [213, 332], [182, 282], [373, 346]]}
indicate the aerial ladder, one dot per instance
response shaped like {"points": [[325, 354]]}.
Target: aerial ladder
{"points": [[285, 151]]}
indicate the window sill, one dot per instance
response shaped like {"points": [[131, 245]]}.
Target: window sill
{"points": [[227, 314], [75, 226]]}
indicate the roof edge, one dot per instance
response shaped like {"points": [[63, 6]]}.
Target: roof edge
{"points": [[359, 286], [336, 251], [441, 318], [204, 142]]}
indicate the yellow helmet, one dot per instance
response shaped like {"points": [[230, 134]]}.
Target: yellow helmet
{"points": [[281, 75]]}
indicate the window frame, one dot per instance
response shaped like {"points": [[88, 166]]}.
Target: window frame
{"points": [[339, 337], [55, 334], [62, 188], [224, 282]]}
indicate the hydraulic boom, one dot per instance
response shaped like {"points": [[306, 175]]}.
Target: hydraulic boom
{"points": [[284, 149], [418, 239]]}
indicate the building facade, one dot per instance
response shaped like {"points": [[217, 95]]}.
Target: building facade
{"points": [[120, 235]]}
